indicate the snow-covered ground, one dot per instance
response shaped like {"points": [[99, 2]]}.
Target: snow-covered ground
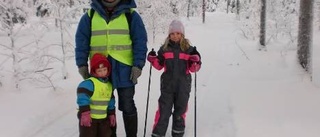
{"points": [[316, 58], [241, 92]]}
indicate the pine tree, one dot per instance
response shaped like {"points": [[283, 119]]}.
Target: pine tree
{"points": [[305, 33], [263, 25]]}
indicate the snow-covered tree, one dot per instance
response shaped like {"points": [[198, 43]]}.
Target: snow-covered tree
{"points": [[158, 14], [23, 43], [13, 14], [282, 20], [220, 5], [238, 7], [249, 18], [211, 5], [65, 14], [305, 33], [263, 11], [194, 8], [317, 14]]}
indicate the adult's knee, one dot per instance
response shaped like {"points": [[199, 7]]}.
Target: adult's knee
{"points": [[127, 106], [129, 109], [126, 102]]}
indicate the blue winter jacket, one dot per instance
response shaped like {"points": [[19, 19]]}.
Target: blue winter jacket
{"points": [[120, 75]]}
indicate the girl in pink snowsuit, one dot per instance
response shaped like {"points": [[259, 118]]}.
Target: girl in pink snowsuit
{"points": [[178, 58]]}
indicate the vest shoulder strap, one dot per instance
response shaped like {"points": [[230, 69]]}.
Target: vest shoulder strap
{"points": [[91, 12], [128, 16]]}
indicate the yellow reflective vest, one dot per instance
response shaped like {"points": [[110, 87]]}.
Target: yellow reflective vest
{"points": [[100, 99], [111, 38]]}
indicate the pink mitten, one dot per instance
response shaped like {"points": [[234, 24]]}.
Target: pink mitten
{"points": [[194, 58], [151, 58], [85, 119], [195, 67], [113, 120], [154, 62]]}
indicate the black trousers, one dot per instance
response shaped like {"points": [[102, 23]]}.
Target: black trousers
{"points": [[129, 110], [174, 94], [99, 128]]}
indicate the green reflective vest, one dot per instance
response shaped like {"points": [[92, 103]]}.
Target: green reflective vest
{"points": [[111, 38], [100, 99]]}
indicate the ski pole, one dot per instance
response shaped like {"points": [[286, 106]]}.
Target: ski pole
{"points": [[146, 117], [195, 104]]}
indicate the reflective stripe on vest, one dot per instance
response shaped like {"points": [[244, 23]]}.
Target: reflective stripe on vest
{"points": [[100, 99], [111, 39]]}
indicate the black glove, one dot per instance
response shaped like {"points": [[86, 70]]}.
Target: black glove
{"points": [[194, 51], [195, 56], [84, 72], [152, 53]]}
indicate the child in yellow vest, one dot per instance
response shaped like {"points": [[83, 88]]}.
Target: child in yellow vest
{"points": [[96, 101]]}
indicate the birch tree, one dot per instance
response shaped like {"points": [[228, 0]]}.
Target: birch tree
{"points": [[13, 16], [249, 19], [65, 13], [282, 20], [194, 8], [22, 40], [157, 15], [24, 54]]}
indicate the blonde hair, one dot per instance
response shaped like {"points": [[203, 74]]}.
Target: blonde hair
{"points": [[184, 43]]}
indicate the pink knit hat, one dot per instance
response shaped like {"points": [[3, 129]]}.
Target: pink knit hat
{"points": [[176, 26]]}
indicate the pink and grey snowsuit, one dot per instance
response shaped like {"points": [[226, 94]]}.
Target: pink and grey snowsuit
{"points": [[175, 88]]}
